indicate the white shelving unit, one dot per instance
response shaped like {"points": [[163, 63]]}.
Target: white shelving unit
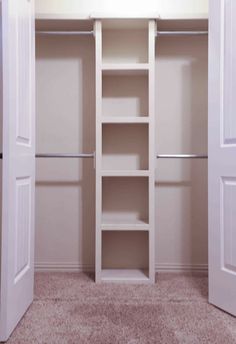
{"points": [[125, 157]]}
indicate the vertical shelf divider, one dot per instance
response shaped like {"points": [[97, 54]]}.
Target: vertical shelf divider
{"points": [[152, 158], [98, 158]]}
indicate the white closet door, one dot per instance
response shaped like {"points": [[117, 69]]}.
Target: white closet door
{"points": [[222, 155], [17, 242]]}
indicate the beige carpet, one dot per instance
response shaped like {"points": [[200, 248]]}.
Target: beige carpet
{"points": [[70, 308]]}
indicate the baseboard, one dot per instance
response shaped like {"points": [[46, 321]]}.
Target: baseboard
{"points": [[76, 267], [168, 267], [64, 267]]}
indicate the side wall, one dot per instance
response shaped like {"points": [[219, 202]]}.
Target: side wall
{"points": [[65, 189]]}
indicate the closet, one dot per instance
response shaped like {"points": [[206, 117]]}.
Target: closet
{"points": [[121, 146], [143, 114]]}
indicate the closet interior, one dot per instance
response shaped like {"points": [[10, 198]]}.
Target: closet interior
{"points": [[130, 94]]}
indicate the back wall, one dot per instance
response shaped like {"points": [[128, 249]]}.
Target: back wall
{"points": [[65, 189]]}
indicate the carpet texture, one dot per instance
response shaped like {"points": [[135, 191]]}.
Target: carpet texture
{"points": [[70, 308]]}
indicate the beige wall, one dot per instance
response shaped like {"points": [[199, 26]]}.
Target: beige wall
{"points": [[181, 127], [65, 123]]}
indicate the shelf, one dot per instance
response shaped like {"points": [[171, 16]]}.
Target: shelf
{"points": [[49, 15], [183, 16], [124, 120], [125, 276], [125, 173], [125, 96], [125, 68], [137, 225], [124, 199], [124, 20]]}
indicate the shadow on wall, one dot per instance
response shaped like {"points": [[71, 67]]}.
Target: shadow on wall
{"points": [[65, 188], [181, 127], [199, 144]]}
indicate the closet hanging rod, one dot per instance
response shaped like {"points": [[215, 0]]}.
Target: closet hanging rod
{"points": [[91, 155], [181, 33], [181, 156], [65, 33], [61, 155]]}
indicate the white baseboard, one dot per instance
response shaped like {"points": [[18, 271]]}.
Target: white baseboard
{"points": [[64, 267], [168, 267], [77, 267]]}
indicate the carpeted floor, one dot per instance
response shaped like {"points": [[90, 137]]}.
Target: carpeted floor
{"points": [[70, 308]]}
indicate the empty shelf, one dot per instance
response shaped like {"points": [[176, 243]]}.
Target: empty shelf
{"points": [[125, 173], [134, 225], [116, 119], [125, 275]]}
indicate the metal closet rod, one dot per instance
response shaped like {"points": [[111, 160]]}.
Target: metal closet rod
{"points": [[92, 155], [65, 33], [181, 33], [158, 33], [61, 155], [181, 156]]}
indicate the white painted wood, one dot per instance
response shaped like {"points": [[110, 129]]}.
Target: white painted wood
{"points": [[117, 15], [125, 68], [128, 226], [127, 158], [152, 153], [125, 173], [184, 16], [98, 53], [222, 153], [61, 16], [17, 242], [110, 119], [125, 276]]}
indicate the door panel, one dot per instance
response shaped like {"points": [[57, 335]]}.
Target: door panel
{"points": [[229, 77], [228, 211], [22, 247], [17, 242], [222, 155]]}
